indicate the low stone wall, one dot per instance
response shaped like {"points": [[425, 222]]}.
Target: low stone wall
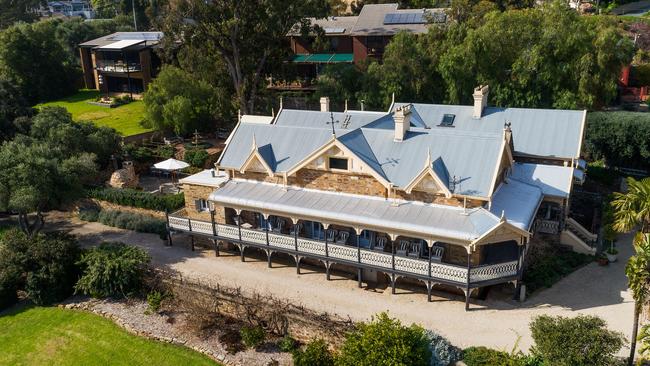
{"points": [[105, 205]]}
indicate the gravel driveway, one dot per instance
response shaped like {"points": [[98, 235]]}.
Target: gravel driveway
{"points": [[498, 322]]}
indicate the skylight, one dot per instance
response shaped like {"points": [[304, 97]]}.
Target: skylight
{"points": [[447, 120]]}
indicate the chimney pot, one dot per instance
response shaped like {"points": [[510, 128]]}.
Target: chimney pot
{"points": [[402, 118], [480, 100], [324, 104]]}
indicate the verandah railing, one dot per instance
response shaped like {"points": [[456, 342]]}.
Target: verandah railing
{"points": [[306, 247]]}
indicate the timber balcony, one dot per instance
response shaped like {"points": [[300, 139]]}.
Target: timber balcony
{"points": [[429, 270], [118, 66]]}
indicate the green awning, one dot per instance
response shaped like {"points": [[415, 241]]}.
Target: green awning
{"points": [[323, 58]]}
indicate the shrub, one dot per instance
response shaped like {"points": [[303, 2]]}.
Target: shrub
{"points": [[112, 269], [154, 300], [552, 267], [315, 353], [89, 214], [139, 199], [287, 344], [252, 336], [165, 151], [583, 340], [132, 221], [385, 341], [196, 157], [619, 138], [43, 266], [483, 356], [140, 154], [443, 353]]}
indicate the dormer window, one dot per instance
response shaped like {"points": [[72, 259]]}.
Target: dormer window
{"points": [[338, 163], [447, 120]]}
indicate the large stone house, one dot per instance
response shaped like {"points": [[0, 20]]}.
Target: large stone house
{"points": [[448, 195]]}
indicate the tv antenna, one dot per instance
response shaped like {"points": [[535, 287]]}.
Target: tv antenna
{"points": [[332, 122]]}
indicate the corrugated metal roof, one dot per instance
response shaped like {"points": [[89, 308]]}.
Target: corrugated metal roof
{"points": [[518, 201], [151, 38], [539, 132], [426, 219], [553, 180], [470, 158], [371, 21], [281, 146], [343, 121], [344, 23]]}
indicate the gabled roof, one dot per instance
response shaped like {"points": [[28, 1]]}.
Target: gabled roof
{"points": [[518, 202], [129, 39], [552, 133], [343, 121]]}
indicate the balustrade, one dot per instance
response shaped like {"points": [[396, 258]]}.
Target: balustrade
{"points": [[418, 266]]}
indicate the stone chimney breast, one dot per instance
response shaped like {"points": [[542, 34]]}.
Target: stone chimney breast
{"points": [[481, 93], [324, 104], [402, 118]]}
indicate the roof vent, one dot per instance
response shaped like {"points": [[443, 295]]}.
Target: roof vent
{"points": [[447, 120]]}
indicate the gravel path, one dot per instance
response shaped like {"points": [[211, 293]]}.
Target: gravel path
{"points": [[498, 322]]}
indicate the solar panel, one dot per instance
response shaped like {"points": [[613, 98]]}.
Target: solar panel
{"points": [[447, 120], [404, 18]]}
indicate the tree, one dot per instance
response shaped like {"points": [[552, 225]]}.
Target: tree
{"points": [[33, 59], [247, 36], [48, 167], [18, 11], [12, 106], [177, 102], [583, 340], [619, 138], [383, 342], [632, 209]]}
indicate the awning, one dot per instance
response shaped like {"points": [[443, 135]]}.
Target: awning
{"points": [[425, 221], [323, 58], [171, 165]]}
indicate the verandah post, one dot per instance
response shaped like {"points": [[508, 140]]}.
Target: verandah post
{"points": [[469, 266], [169, 229], [214, 233]]}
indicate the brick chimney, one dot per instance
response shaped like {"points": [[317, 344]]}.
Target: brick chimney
{"points": [[480, 100], [324, 104], [402, 118]]}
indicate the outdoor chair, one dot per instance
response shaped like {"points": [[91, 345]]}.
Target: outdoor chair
{"points": [[380, 244], [279, 225], [436, 253], [343, 237], [403, 247], [331, 235], [415, 250]]}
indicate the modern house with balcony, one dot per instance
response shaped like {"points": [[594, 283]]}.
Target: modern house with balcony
{"points": [[122, 62], [352, 39], [448, 196]]}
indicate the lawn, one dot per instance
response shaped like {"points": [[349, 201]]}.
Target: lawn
{"points": [[125, 119], [54, 336]]}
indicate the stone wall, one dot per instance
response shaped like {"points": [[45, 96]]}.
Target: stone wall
{"points": [[338, 182], [104, 205], [196, 192]]}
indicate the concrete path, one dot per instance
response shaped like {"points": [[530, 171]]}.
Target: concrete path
{"points": [[498, 322]]}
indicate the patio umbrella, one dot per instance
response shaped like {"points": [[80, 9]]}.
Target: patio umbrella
{"points": [[171, 165]]}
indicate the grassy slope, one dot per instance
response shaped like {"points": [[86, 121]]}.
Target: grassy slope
{"points": [[53, 336], [125, 119]]}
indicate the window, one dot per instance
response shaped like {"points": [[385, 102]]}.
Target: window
{"points": [[447, 120], [202, 205], [338, 163]]}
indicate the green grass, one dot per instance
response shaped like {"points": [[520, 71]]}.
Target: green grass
{"points": [[125, 119], [54, 336]]}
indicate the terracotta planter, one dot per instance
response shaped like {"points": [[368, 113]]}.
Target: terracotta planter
{"points": [[603, 261]]}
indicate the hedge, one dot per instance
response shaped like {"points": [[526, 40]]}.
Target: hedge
{"points": [[139, 199], [619, 138], [126, 220]]}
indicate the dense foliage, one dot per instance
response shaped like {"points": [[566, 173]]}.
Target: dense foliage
{"points": [[583, 340], [196, 157], [43, 266], [252, 336], [112, 270], [385, 341], [12, 106], [315, 353], [177, 102], [483, 356], [546, 56], [552, 267], [47, 167], [619, 138], [139, 199]]}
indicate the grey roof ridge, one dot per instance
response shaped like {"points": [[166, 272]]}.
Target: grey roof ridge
{"points": [[490, 107]]}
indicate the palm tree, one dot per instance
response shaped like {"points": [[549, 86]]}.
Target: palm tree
{"points": [[631, 210]]}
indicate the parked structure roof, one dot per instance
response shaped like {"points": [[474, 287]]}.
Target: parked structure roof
{"points": [[517, 202]]}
